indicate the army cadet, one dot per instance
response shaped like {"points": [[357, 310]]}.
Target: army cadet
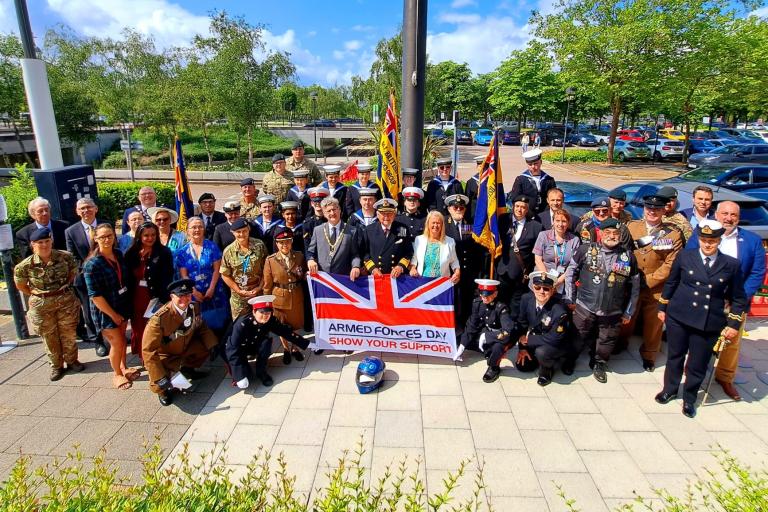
{"points": [[250, 337], [442, 186], [590, 229], [366, 215], [533, 182], [472, 186], [471, 254], [47, 276], [278, 181], [542, 327], [249, 204], [176, 339], [298, 193], [617, 199], [297, 162], [267, 219], [242, 267], [671, 215], [658, 244], [316, 217], [489, 327], [409, 180], [334, 185], [412, 215], [385, 245], [363, 182], [605, 297], [693, 305]]}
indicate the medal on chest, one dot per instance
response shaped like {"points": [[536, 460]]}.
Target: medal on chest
{"points": [[611, 280]]}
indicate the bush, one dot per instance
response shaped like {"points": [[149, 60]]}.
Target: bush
{"points": [[117, 160], [574, 155], [18, 193], [114, 198]]}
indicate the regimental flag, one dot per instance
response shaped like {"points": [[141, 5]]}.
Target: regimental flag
{"points": [[388, 172], [485, 230], [350, 173], [184, 205]]}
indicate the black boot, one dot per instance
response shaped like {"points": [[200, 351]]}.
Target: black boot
{"points": [[491, 374], [599, 372]]}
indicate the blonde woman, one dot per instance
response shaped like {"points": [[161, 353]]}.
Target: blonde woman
{"points": [[434, 254]]}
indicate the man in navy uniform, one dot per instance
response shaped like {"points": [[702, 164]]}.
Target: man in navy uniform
{"points": [[366, 215], [335, 187], [702, 283], [385, 245], [353, 191], [442, 186], [412, 214], [298, 193], [543, 327], [533, 182], [489, 327], [409, 180]]}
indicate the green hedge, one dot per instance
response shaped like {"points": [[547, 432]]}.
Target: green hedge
{"points": [[573, 155]]}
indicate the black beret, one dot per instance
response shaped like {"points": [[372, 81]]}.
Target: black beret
{"points": [[181, 287], [522, 199], [667, 192], [278, 157], [205, 196], [246, 181], [618, 194], [609, 224], [239, 223], [297, 144], [40, 234]]}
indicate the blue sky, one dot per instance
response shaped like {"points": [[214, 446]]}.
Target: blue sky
{"points": [[329, 42]]}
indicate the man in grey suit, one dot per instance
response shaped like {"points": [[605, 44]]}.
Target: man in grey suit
{"points": [[333, 247]]}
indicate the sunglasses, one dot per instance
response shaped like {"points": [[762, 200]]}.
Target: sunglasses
{"points": [[162, 219], [443, 166], [603, 211], [539, 287]]}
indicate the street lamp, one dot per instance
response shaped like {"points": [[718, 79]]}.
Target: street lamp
{"points": [[313, 97], [569, 94]]}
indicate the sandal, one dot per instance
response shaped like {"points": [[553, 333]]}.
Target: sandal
{"points": [[132, 374], [120, 382]]}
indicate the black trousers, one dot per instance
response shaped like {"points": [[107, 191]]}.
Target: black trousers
{"points": [[510, 292], [91, 334], [684, 340], [495, 351], [547, 355], [599, 333]]}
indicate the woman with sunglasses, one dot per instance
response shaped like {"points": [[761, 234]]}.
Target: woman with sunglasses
{"points": [[109, 283], [164, 218], [555, 247], [442, 186], [151, 264], [135, 219]]}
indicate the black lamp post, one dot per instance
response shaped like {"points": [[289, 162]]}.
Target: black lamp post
{"points": [[569, 94], [313, 97]]}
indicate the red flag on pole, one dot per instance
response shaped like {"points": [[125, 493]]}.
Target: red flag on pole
{"points": [[350, 173]]}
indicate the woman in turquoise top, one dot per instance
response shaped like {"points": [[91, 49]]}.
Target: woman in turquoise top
{"points": [[434, 254], [169, 237]]}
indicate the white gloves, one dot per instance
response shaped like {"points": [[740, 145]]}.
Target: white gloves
{"points": [[459, 351], [481, 342], [243, 384]]}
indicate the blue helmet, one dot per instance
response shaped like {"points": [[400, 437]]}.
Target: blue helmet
{"points": [[370, 372]]}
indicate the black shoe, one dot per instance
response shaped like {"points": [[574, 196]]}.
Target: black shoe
{"points": [[297, 355], [266, 379], [76, 366], [568, 367], [192, 374], [166, 399], [591, 363], [491, 374], [648, 365], [689, 409], [102, 350], [665, 398], [318, 351], [286, 357], [599, 372], [545, 377], [56, 374]]}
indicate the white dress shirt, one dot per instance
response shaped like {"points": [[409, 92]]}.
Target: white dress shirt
{"points": [[729, 244]]}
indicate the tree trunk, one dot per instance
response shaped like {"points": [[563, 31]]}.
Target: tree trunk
{"points": [[170, 153], [238, 155], [21, 144], [616, 113], [250, 147], [207, 146]]}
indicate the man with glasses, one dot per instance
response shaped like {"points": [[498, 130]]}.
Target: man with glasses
{"points": [[442, 186], [590, 230], [333, 247], [79, 239], [702, 206], [39, 210], [618, 202], [147, 199], [533, 182], [604, 299], [211, 217], [657, 245], [298, 162]]}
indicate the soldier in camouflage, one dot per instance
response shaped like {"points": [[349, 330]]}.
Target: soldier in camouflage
{"points": [[249, 205], [672, 216], [242, 267], [278, 181], [297, 162], [47, 276]]}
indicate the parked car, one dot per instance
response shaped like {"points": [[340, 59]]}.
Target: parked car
{"points": [[753, 153], [629, 150], [464, 137], [665, 149], [742, 135], [510, 138], [634, 135], [578, 196], [724, 136], [321, 123], [441, 125], [763, 133], [669, 133], [438, 134], [483, 137], [348, 120], [701, 146], [557, 141], [602, 136], [583, 139], [746, 178], [754, 215]]}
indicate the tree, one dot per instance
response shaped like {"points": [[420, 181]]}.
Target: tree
{"points": [[386, 73], [449, 87], [12, 100]]}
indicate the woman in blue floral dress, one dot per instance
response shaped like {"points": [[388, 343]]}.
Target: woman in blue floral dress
{"points": [[200, 260]]}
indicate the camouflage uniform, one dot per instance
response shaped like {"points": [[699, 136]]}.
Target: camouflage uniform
{"points": [[678, 220], [277, 185], [249, 210], [624, 217], [53, 308], [314, 178], [246, 269]]}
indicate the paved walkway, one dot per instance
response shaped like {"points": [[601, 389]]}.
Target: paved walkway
{"points": [[603, 443]]}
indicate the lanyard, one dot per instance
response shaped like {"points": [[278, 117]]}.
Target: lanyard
{"points": [[560, 256], [246, 264], [117, 270]]}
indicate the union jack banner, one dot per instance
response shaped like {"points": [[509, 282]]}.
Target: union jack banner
{"points": [[183, 193], [410, 315], [388, 171]]}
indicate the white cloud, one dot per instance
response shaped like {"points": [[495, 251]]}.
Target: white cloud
{"points": [[458, 4], [456, 18], [352, 45], [363, 28], [8, 22], [338, 54], [761, 13], [482, 43]]}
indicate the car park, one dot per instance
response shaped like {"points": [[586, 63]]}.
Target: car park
{"points": [[669, 133], [753, 153], [464, 137], [665, 149], [438, 134], [624, 150], [583, 139], [754, 215], [749, 179], [701, 146], [746, 136], [634, 135], [483, 137], [724, 136], [510, 138]]}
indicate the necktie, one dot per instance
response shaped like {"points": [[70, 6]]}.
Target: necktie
{"points": [[207, 221], [538, 310], [91, 233], [707, 262], [386, 232], [333, 234]]}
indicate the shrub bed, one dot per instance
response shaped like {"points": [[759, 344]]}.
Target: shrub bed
{"points": [[574, 155]]}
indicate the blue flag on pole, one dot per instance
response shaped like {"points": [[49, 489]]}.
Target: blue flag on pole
{"points": [[485, 230], [184, 205]]}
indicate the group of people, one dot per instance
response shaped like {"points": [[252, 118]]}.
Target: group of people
{"points": [[236, 278]]}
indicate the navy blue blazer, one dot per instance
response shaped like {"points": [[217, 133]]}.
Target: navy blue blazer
{"points": [[59, 239]]}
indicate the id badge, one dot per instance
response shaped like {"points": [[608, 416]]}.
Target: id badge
{"points": [[122, 290], [242, 280], [143, 283], [200, 277]]}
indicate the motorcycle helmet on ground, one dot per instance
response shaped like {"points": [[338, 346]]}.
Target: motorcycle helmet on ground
{"points": [[370, 372]]}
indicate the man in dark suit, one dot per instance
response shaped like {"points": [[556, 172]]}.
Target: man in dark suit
{"points": [[147, 199], [211, 217], [518, 236], [333, 246], [693, 307], [79, 238], [222, 234], [555, 201], [40, 211], [385, 245], [747, 247]]}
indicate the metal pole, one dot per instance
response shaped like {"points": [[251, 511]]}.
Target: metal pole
{"points": [[17, 309], [414, 37], [313, 95], [130, 153], [25, 29], [565, 128], [455, 152]]}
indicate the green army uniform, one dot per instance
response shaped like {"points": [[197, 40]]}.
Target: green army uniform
{"points": [[678, 220], [249, 211], [624, 217], [277, 185], [246, 268], [315, 177], [53, 308]]}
